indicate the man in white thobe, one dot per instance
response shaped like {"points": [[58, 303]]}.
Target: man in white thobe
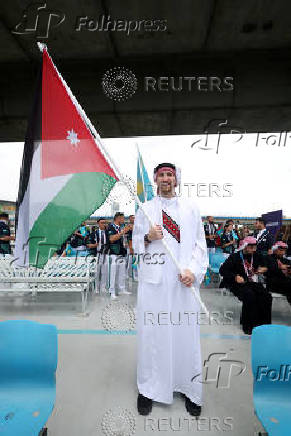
{"points": [[169, 356]]}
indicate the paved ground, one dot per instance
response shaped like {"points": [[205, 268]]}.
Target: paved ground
{"points": [[96, 376]]}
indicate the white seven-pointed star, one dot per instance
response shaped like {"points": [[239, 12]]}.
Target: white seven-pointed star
{"points": [[73, 137]]}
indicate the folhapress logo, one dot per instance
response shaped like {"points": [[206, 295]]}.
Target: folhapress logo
{"points": [[219, 370], [38, 20], [282, 374], [105, 23]]}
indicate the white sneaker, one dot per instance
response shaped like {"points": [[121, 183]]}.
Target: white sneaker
{"points": [[113, 297], [125, 293]]}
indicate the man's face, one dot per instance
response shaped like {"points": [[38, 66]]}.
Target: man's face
{"points": [[250, 249], [280, 252], [4, 219], [131, 219], [121, 219], [102, 224], [210, 219], [259, 225], [166, 181]]}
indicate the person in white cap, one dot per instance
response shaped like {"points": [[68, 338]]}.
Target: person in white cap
{"points": [[279, 271], [240, 274], [168, 336]]}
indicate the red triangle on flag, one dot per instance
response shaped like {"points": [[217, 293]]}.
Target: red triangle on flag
{"points": [[67, 144]]}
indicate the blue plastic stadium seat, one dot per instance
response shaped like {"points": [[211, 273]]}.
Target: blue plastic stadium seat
{"points": [[28, 363], [271, 366]]}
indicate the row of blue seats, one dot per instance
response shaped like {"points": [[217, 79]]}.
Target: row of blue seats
{"points": [[28, 363]]}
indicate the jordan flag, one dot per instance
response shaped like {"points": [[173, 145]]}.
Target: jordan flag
{"points": [[65, 176]]}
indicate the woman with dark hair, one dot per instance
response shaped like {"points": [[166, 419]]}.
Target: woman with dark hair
{"points": [[227, 240]]}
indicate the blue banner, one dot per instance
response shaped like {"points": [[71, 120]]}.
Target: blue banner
{"points": [[273, 221]]}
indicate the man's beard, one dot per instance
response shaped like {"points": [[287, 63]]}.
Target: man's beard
{"points": [[248, 256], [167, 189]]}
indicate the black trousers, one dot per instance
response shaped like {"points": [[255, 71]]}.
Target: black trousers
{"points": [[257, 304], [281, 286]]}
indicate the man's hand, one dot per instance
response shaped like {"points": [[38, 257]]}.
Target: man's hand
{"points": [[155, 233], [91, 245], [125, 229], [239, 279], [187, 278]]}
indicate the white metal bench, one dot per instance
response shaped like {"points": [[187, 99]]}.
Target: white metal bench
{"points": [[58, 275]]}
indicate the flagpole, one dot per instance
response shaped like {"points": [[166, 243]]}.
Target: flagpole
{"points": [[119, 174], [141, 172]]}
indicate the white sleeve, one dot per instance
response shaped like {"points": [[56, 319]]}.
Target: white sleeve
{"points": [[199, 258], [140, 228]]}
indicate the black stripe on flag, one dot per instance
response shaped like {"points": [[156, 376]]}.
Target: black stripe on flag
{"points": [[32, 139]]}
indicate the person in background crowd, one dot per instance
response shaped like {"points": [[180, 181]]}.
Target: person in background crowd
{"points": [[79, 240], [68, 250], [279, 234], [278, 277], [240, 273], [101, 246], [61, 250], [5, 236], [234, 233], [132, 270], [210, 234], [228, 242], [263, 237], [287, 239], [244, 232], [93, 238], [117, 255], [236, 230], [219, 233]]}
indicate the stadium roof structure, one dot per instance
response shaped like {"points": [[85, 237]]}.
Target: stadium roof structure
{"points": [[245, 40]]}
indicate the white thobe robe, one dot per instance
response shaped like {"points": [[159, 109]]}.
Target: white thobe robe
{"points": [[169, 355]]}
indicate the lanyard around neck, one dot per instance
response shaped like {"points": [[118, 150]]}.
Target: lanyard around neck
{"points": [[248, 271]]}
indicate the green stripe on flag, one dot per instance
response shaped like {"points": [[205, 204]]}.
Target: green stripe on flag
{"points": [[78, 199]]}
